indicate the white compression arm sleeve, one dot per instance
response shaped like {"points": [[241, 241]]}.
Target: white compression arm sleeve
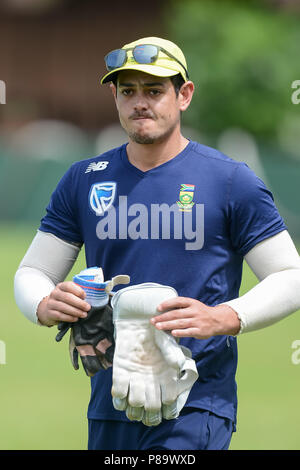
{"points": [[276, 263], [47, 262]]}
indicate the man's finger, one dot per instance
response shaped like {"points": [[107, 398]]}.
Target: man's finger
{"points": [[169, 325], [70, 298], [174, 303], [69, 309], [71, 287], [189, 332], [58, 317], [171, 315]]}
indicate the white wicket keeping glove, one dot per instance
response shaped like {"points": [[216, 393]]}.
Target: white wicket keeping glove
{"points": [[152, 373]]}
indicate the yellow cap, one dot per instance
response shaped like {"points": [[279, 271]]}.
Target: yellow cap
{"points": [[164, 66]]}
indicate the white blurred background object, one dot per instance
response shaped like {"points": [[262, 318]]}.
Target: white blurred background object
{"points": [[49, 140]]}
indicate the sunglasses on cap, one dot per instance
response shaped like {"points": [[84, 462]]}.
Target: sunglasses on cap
{"points": [[142, 54]]}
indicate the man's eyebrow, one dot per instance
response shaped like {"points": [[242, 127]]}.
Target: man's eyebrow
{"points": [[154, 84], [143, 84]]}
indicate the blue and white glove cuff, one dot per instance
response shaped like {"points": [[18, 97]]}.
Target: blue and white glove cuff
{"points": [[97, 290]]}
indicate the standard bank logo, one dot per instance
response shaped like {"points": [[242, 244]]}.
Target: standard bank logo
{"points": [[102, 196]]}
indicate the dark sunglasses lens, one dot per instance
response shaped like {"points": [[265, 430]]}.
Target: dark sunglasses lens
{"points": [[115, 59], [145, 54]]}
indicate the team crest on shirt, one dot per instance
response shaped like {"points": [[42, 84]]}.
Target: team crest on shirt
{"points": [[186, 196], [102, 196]]}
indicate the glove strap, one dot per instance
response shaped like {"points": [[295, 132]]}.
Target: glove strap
{"points": [[120, 279], [189, 377]]}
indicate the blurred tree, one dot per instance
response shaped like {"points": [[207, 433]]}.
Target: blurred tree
{"points": [[243, 58]]}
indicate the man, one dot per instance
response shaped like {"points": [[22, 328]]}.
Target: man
{"points": [[166, 210]]}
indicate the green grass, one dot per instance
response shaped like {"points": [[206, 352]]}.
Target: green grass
{"points": [[268, 385], [44, 401]]}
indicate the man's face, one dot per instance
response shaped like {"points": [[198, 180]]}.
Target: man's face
{"points": [[148, 107]]}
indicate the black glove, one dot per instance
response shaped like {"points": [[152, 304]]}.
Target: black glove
{"points": [[92, 338]]}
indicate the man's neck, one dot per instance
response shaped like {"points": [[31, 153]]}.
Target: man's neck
{"points": [[148, 156]]}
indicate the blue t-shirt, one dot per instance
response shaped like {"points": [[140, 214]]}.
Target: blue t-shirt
{"points": [[187, 223]]}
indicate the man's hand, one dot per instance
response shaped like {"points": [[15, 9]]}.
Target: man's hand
{"points": [[184, 316], [66, 303], [82, 306]]}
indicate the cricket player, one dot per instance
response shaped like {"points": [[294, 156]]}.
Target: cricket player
{"points": [[165, 210]]}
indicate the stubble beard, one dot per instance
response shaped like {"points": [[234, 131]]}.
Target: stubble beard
{"points": [[147, 139], [141, 139]]}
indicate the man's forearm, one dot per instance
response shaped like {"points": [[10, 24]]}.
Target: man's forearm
{"points": [[276, 263], [30, 287], [47, 262], [274, 298]]}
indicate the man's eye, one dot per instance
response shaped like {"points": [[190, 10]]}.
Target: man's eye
{"points": [[126, 92], [154, 92]]}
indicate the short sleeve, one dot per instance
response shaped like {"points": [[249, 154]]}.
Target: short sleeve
{"points": [[253, 215], [61, 217]]}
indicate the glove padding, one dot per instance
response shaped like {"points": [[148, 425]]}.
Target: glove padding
{"points": [[93, 337], [152, 373]]}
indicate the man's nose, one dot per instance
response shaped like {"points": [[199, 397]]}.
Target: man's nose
{"points": [[140, 102]]}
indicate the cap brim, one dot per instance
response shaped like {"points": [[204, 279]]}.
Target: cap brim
{"points": [[146, 68]]}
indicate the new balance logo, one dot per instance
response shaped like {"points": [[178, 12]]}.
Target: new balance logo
{"points": [[96, 166]]}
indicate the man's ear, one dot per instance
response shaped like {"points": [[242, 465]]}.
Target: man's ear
{"points": [[113, 90], [185, 95]]}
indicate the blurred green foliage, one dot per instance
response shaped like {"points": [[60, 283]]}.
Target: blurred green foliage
{"points": [[243, 58]]}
